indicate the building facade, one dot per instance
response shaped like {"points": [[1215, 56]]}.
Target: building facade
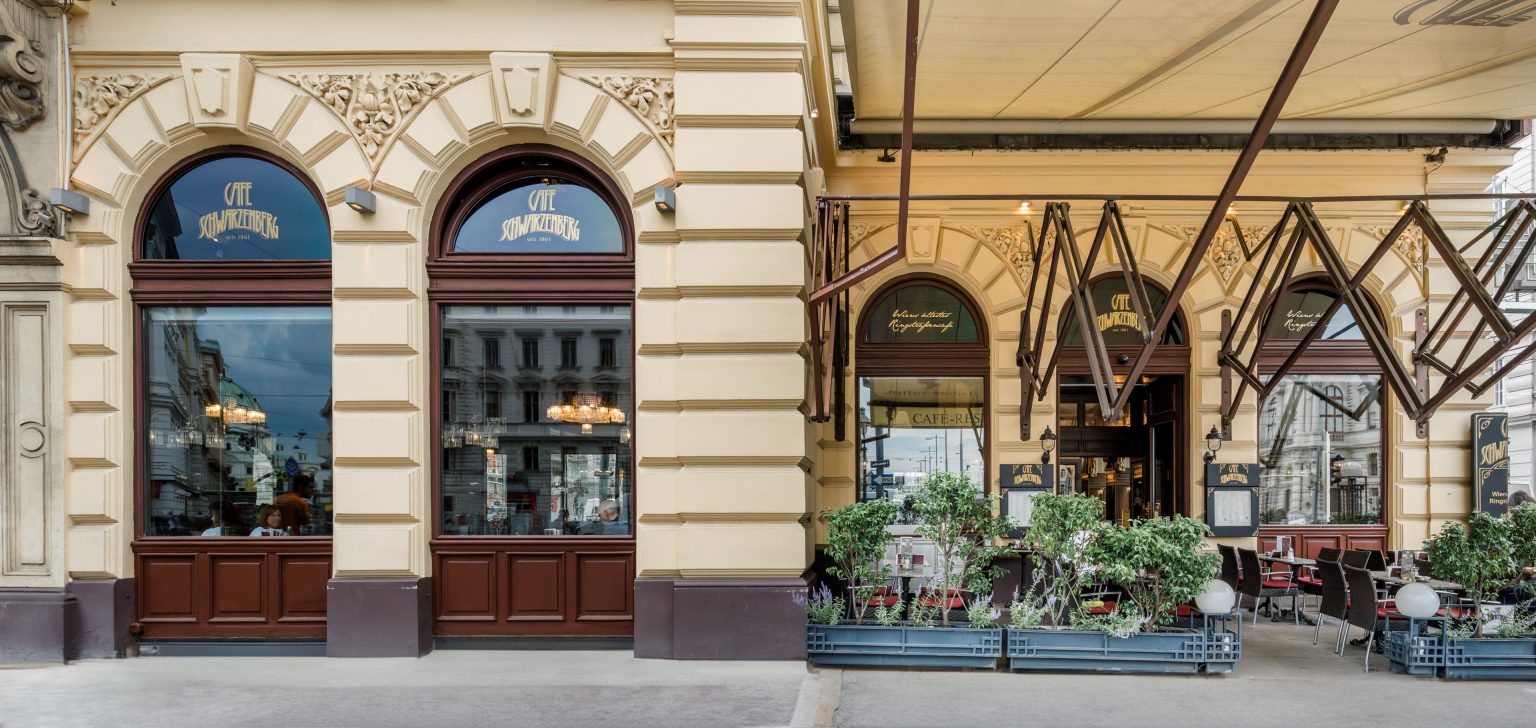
{"points": [[474, 322]]}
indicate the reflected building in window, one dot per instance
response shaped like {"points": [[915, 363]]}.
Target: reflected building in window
{"points": [[508, 466]]}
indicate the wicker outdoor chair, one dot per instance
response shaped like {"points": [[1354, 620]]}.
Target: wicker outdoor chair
{"points": [[1258, 584], [1366, 611], [1335, 601]]}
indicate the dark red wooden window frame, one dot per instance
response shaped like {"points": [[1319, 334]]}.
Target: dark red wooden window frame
{"points": [[929, 359], [163, 283], [1351, 356]]}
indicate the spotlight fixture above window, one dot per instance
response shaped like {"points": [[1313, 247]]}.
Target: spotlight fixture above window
{"points": [[70, 201], [666, 199], [1024, 208], [361, 200]]}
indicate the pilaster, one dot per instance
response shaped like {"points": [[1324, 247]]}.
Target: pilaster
{"points": [[724, 446]]}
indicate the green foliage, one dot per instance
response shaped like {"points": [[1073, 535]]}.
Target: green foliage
{"points": [[1486, 555], [888, 616], [1028, 611], [980, 613], [1123, 621], [822, 607], [856, 541], [922, 615], [1061, 533], [960, 520], [1161, 563], [1516, 623]]}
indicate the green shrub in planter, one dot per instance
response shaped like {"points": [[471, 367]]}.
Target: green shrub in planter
{"points": [[1061, 532], [856, 542], [1160, 562], [1487, 555], [961, 522]]}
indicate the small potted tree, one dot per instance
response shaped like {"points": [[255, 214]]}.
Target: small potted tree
{"points": [[960, 522], [1159, 563], [1493, 559]]}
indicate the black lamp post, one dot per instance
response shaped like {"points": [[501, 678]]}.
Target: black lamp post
{"points": [[1212, 444]]}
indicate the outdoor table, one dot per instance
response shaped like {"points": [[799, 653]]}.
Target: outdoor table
{"points": [[1398, 581], [1296, 563]]}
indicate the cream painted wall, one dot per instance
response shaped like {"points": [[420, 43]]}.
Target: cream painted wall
{"points": [[967, 243], [463, 27], [723, 448]]}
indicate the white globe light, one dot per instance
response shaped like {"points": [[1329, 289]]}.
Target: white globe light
{"points": [[1417, 600], [1218, 598]]}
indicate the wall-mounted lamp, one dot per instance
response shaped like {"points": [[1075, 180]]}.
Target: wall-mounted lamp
{"points": [[1023, 207], [666, 199], [1212, 444], [1047, 444], [1231, 212], [361, 200], [70, 201]]}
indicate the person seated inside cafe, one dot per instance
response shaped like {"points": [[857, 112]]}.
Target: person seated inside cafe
{"points": [[271, 522], [608, 521]]}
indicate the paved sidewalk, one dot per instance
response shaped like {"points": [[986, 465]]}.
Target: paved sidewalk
{"points": [[1283, 681]]}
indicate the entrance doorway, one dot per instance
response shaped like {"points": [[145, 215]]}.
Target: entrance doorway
{"points": [[1131, 463]]}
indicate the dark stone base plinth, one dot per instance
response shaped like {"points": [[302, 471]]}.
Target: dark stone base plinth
{"points": [[106, 615], [719, 619], [378, 617], [38, 625]]}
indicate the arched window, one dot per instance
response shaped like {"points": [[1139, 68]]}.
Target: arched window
{"points": [[1117, 318], [1321, 457], [921, 364], [236, 207], [231, 287], [532, 291]]}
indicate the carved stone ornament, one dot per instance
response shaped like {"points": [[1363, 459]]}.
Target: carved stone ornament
{"points": [[649, 96], [21, 73], [374, 105], [860, 231], [96, 97], [1014, 243], [1226, 254], [1410, 245]]}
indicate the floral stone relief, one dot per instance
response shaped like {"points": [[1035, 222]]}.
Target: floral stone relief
{"points": [[1013, 243], [648, 96], [1226, 254], [96, 98], [374, 105]]}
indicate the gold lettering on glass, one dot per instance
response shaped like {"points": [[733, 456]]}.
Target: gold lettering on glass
{"points": [[239, 216], [542, 220]]}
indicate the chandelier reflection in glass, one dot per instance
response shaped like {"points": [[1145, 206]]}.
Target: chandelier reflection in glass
{"points": [[585, 409], [479, 432]]}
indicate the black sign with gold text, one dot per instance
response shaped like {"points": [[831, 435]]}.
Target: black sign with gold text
{"points": [[1018, 485], [1232, 498], [1490, 462]]}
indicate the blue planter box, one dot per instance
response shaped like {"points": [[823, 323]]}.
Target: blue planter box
{"points": [[902, 646], [1213, 649], [1488, 658], [1412, 653]]}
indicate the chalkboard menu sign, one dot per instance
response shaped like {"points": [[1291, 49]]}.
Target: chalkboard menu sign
{"points": [[1232, 498], [1490, 462], [1019, 484]]}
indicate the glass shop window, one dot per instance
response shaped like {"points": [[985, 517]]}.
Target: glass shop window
{"points": [[1300, 311], [1319, 453], [570, 470], [236, 208], [915, 426], [238, 416], [544, 214]]}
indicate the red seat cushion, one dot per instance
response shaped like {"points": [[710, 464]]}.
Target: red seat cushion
{"points": [[884, 601], [1455, 612], [1311, 580], [1184, 610], [1277, 584], [1104, 608]]}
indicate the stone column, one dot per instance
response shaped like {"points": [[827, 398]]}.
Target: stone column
{"points": [[38, 617], [723, 442], [379, 601]]}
